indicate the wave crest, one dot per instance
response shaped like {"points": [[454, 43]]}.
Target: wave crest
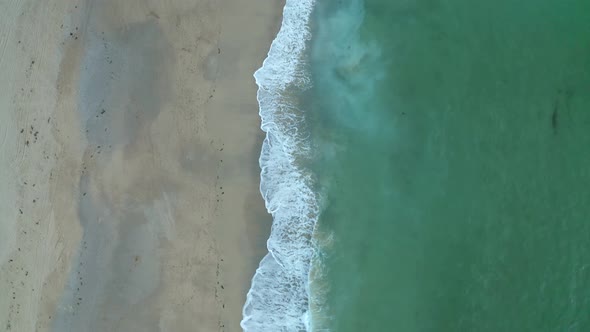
{"points": [[278, 299]]}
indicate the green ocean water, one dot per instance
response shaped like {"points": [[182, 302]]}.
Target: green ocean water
{"points": [[453, 162]]}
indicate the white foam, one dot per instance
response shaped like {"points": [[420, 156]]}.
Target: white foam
{"points": [[278, 299]]}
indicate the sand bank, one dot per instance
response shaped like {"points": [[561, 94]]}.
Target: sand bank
{"points": [[128, 168]]}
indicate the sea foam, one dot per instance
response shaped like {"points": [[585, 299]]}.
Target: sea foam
{"points": [[279, 298]]}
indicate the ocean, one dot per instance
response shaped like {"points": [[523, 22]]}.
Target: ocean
{"points": [[427, 167]]}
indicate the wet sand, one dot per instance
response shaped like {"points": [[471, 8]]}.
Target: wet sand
{"points": [[129, 139]]}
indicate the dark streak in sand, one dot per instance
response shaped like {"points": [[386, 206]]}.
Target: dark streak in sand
{"points": [[102, 290]]}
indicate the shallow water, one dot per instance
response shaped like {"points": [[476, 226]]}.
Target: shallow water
{"points": [[450, 143]]}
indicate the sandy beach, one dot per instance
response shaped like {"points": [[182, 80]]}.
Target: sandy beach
{"points": [[129, 143]]}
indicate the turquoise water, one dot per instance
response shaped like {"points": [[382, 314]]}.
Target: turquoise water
{"points": [[450, 143], [427, 165]]}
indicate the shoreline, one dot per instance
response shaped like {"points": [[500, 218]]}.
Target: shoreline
{"points": [[279, 298], [132, 195]]}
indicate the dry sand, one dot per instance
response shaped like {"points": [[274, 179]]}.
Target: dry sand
{"points": [[129, 138]]}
